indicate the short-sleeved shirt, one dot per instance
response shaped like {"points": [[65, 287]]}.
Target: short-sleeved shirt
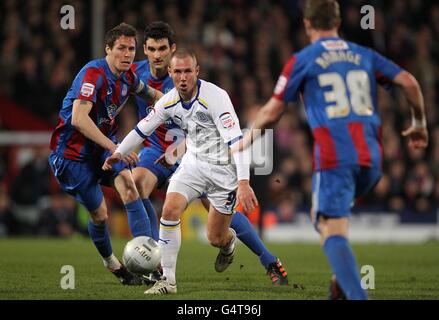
{"points": [[337, 81], [209, 121], [95, 83]]}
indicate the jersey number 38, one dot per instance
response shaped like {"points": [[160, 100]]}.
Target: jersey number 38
{"points": [[357, 82]]}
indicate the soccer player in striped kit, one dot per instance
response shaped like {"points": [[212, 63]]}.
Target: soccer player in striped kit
{"points": [[337, 81], [85, 136]]}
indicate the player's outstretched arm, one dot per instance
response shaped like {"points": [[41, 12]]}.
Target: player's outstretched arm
{"points": [[417, 132], [124, 151], [84, 124], [136, 136], [267, 117], [270, 114]]}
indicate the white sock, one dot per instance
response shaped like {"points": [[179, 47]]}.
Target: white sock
{"points": [[111, 262], [170, 242], [231, 245]]}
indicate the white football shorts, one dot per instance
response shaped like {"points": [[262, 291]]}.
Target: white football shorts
{"points": [[195, 178]]}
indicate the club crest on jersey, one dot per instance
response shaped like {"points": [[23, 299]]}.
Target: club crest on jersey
{"points": [[227, 120], [124, 90], [112, 111], [202, 117], [87, 89]]}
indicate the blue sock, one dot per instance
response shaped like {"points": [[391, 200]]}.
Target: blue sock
{"points": [[247, 234], [138, 219], [101, 238], [343, 264], [152, 218]]}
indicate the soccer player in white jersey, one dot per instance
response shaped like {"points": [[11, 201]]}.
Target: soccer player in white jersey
{"points": [[205, 112]]}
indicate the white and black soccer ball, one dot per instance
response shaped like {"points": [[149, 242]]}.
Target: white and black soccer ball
{"points": [[141, 255]]}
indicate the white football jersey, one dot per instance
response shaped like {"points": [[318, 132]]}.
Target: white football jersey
{"points": [[209, 121]]}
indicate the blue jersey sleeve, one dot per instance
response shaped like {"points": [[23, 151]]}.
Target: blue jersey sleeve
{"points": [[90, 84], [385, 70], [290, 81]]}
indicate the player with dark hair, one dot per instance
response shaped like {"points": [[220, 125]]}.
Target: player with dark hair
{"points": [[159, 44], [85, 136], [337, 81]]}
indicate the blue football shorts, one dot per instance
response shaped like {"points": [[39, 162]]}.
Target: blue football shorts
{"points": [[82, 179], [147, 156], [335, 190]]}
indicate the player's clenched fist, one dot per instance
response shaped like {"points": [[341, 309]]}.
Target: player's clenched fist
{"points": [[418, 137]]}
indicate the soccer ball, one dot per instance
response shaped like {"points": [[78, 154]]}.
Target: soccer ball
{"points": [[141, 255]]}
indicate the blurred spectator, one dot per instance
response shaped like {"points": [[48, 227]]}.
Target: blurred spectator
{"points": [[59, 219], [27, 190], [6, 216], [286, 210], [37, 55]]}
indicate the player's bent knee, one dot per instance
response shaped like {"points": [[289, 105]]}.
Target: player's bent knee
{"points": [[145, 181], [140, 182], [333, 227], [217, 239], [171, 213], [99, 218], [100, 215], [143, 187], [129, 192]]}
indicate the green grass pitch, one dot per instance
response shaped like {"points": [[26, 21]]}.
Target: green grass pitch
{"points": [[30, 269]]}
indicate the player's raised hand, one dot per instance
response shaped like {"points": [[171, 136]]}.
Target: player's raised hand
{"points": [[246, 196], [418, 137]]}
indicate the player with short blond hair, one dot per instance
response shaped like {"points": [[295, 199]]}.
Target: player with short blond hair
{"points": [[205, 112]]}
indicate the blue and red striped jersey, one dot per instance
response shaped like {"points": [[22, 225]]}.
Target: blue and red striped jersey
{"points": [[96, 83], [337, 81], [159, 137]]}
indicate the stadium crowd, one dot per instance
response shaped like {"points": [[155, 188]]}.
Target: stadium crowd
{"points": [[241, 45]]}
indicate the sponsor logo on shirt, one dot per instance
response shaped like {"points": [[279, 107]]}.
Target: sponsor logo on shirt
{"points": [[335, 45], [87, 89], [202, 117], [124, 90], [227, 120], [112, 111]]}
